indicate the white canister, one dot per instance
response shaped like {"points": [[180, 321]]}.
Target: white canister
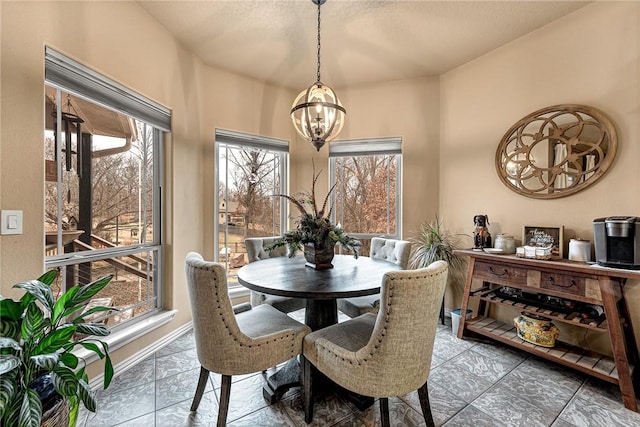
{"points": [[580, 250], [506, 242]]}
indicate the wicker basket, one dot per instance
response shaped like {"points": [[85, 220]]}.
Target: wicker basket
{"points": [[57, 416]]}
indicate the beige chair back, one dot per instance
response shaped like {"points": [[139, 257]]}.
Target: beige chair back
{"points": [[255, 248], [214, 322], [401, 345], [395, 251]]}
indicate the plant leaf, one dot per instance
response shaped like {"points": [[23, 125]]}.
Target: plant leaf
{"points": [[69, 359], [87, 396], [93, 310], [31, 409], [74, 308], [46, 361], [11, 414], [9, 328], [65, 381], [32, 322], [7, 390], [55, 340], [90, 289], [63, 303], [6, 342], [91, 346], [96, 329], [39, 291], [108, 366], [8, 363], [10, 309], [49, 277]]}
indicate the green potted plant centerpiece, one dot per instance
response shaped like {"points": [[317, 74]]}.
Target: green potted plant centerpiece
{"points": [[40, 377], [314, 232]]}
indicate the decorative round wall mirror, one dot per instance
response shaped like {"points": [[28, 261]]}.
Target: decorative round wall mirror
{"points": [[556, 151]]}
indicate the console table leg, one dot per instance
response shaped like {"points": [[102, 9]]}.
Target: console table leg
{"points": [[611, 291], [465, 297]]}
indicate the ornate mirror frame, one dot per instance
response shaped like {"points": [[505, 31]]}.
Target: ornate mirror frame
{"points": [[556, 151]]}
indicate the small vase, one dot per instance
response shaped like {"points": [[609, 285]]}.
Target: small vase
{"points": [[318, 258]]}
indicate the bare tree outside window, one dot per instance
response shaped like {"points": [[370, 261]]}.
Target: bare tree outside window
{"points": [[249, 179], [366, 194], [104, 201]]}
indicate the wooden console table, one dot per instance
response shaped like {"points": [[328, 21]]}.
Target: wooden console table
{"points": [[567, 280]]}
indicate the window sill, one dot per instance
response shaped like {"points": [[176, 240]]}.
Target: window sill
{"points": [[127, 334]]}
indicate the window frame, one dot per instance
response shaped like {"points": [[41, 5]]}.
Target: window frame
{"points": [[366, 147], [228, 138], [64, 74]]}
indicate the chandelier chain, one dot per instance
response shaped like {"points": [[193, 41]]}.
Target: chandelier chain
{"points": [[318, 74]]}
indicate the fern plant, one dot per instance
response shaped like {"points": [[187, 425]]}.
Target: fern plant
{"points": [[433, 242], [36, 340]]}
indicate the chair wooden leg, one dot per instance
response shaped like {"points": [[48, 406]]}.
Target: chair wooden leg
{"points": [[202, 383], [423, 394], [384, 412], [307, 382], [225, 392]]}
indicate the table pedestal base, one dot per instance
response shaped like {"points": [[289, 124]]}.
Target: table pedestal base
{"points": [[277, 384], [318, 314]]}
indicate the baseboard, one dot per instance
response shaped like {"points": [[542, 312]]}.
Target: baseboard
{"points": [[128, 363]]}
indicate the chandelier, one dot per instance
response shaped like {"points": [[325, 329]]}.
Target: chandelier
{"points": [[317, 113]]}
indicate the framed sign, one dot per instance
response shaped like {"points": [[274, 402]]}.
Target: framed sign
{"points": [[535, 235]]}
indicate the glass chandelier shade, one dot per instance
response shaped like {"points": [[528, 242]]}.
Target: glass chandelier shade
{"points": [[317, 114]]}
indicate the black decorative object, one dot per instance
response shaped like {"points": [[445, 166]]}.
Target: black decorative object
{"points": [[70, 119], [481, 235]]}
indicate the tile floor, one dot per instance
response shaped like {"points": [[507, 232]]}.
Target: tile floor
{"points": [[472, 383]]}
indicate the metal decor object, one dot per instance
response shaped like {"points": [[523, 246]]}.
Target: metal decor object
{"points": [[317, 114]]}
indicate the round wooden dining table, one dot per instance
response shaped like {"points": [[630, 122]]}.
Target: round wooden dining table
{"points": [[289, 277]]}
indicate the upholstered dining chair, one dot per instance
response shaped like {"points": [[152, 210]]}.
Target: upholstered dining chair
{"points": [[230, 344], [255, 252], [383, 355], [395, 251]]}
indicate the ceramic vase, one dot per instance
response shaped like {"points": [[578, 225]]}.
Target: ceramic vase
{"points": [[319, 257]]}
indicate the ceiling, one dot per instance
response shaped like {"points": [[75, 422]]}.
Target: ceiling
{"points": [[362, 41]]}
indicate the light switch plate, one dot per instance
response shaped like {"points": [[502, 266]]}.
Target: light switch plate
{"points": [[11, 222]]}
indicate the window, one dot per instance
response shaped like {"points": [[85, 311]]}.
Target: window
{"points": [[250, 170], [367, 196], [102, 187]]}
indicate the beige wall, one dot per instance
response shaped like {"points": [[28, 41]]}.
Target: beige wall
{"points": [[409, 109], [590, 57], [121, 41]]}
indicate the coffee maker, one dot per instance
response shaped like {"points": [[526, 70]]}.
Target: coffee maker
{"points": [[617, 241]]}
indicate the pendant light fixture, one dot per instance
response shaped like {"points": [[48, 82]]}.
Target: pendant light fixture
{"points": [[317, 113]]}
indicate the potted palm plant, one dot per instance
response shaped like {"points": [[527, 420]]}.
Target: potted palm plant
{"points": [[38, 369], [314, 230]]}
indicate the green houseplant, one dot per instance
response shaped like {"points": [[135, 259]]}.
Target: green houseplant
{"points": [[433, 242], [314, 230], [36, 342]]}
